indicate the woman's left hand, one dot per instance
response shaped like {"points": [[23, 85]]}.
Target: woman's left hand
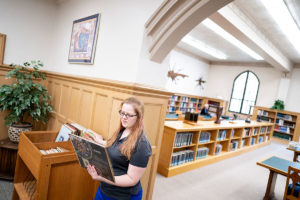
{"points": [[92, 171]]}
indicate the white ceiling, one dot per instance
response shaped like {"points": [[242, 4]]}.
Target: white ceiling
{"points": [[258, 15]]}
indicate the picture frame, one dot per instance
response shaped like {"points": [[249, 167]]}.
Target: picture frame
{"points": [[83, 40]]}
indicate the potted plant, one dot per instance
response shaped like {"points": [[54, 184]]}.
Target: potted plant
{"points": [[25, 96], [278, 104]]}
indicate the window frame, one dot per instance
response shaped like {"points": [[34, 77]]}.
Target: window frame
{"points": [[243, 98]]}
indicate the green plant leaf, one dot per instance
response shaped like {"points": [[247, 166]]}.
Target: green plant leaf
{"points": [[26, 95]]}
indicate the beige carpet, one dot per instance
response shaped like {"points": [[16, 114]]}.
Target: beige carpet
{"points": [[237, 178]]}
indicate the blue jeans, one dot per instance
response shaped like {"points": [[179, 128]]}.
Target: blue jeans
{"points": [[101, 196]]}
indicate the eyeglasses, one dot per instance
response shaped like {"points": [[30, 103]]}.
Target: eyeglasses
{"points": [[123, 114]]}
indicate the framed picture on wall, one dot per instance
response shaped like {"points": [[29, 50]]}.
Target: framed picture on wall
{"points": [[84, 39]]}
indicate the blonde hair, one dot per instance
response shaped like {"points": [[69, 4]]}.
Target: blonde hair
{"points": [[129, 145]]}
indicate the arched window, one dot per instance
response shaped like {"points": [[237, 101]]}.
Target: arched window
{"points": [[244, 93]]}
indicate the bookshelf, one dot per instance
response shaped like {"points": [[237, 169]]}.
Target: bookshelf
{"points": [[287, 123], [188, 103], [264, 114], [188, 147], [50, 176]]}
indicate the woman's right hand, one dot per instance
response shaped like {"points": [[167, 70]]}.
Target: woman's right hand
{"points": [[99, 139]]}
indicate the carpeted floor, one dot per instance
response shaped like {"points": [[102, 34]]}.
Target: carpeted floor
{"points": [[6, 188], [237, 178]]}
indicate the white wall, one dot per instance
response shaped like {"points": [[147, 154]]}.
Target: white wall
{"points": [[41, 29], [119, 39], [28, 25], [221, 79], [188, 65], [151, 73], [293, 97]]}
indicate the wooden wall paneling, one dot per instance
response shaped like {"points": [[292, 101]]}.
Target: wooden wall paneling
{"points": [[114, 117], [85, 108], [73, 103], [65, 99], [56, 96], [3, 127], [101, 113]]}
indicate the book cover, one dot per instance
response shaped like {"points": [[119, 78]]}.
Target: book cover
{"points": [[63, 134], [89, 152]]}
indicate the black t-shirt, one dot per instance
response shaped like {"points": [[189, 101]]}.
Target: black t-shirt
{"points": [[120, 163]]}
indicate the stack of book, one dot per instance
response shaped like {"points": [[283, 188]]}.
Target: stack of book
{"points": [[234, 145], [260, 139], [183, 139], [53, 150], [181, 157], [218, 149], [266, 138], [262, 129], [73, 128], [204, 137], [222, 135], [202, 152]]}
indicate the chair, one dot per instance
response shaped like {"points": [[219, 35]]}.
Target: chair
{"points": [[292, 191]]}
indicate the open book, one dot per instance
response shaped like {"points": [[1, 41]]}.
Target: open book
{"points": [[89, 152]]}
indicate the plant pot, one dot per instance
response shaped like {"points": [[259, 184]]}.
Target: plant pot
{"points": [[15, 130]]}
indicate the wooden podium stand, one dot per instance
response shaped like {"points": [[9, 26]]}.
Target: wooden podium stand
{"points": [[50, 176]]}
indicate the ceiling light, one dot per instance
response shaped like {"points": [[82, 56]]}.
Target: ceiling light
{"points": [[278, 10], [203, 47], [220, 31]]}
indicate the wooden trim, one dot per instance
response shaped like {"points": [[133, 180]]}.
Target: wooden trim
{"points": [[2, 47]]}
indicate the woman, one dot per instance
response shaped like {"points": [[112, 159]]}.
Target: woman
{"points": [[129, 151]]}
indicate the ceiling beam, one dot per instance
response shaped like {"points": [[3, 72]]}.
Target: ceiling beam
{"points": [[173, 20], [231, 19]]}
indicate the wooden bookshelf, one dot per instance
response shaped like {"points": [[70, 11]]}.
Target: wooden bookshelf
{"points": [[287, 123], [246, 137], [50, 176], [188, 103]]}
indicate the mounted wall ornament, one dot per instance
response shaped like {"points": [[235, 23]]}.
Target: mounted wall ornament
{"points": [[201, 82], [174, 75]]}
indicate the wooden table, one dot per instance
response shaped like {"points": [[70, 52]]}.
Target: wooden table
{"points": [[296, 153], [8, 156], [276, 166]]}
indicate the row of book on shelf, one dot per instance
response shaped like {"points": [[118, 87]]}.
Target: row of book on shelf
{"points": [[183, 139], [285, 116], [185, 156], [53, 150], [283, 129], [264, 113]]}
